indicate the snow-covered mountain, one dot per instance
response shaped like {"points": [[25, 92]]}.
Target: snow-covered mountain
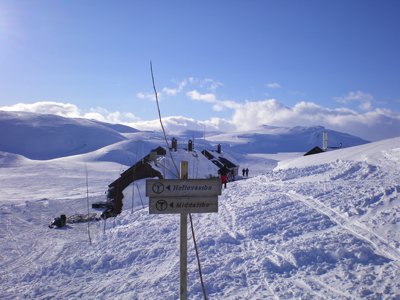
{"points": [[269, 139], [43, 137], [39, 136], [325, 226]]}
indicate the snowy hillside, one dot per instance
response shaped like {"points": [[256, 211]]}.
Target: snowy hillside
{"points": [[269, 139], [325, 226], [37, 136]]}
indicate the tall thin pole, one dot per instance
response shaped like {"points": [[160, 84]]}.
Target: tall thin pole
{"points": [[184, 169], [133, 193], [140, 196], [198, 258], [88, 206], [160, 118]]}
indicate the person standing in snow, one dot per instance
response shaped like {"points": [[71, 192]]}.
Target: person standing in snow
{"points": [[247, 172], [244, 171], [223, 172]]}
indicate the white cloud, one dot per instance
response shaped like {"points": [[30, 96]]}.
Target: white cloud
{"points": [[273, 85], [46, 107], [372, 125], [369, 124], [69, 110], [175, 124], [208, 84], [148, 96], [211, 84], [179, 88], [365, 100], [195, 95], [218, 105], [102, 114], [171, 91]]}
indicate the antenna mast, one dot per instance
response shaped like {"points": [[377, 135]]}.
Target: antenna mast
{"points": [[324, 140]]}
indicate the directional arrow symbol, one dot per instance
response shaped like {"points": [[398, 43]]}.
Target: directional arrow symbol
{"points": [[168, 187], [177, 205]]}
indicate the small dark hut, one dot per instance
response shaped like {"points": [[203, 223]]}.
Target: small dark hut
{"points": [[314, 150]]}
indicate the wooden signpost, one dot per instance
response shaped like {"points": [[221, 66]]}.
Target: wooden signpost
{"points": [[183, 196], [183, 187]]}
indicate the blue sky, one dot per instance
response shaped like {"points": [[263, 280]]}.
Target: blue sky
{"points": [[231, 65]]}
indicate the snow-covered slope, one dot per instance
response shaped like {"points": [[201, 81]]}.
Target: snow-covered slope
{"points": [[269, 139], [378, 153], [39, 136], [318, 227]]}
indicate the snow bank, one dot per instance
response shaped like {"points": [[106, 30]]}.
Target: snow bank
{"points": [[386, 151]]}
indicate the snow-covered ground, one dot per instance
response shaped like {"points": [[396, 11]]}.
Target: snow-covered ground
{"points": [[325, 226]]}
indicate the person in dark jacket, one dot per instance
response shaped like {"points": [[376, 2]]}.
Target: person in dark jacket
{"points": [[247, 172], [223, 172]]}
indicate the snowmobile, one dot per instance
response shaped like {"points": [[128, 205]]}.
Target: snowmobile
{"points": [[58, 222]]}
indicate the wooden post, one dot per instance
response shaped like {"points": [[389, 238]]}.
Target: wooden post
{"points": [[184, 171]]}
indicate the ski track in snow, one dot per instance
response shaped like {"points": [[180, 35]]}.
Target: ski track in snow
{"points": [[357, 229]]}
